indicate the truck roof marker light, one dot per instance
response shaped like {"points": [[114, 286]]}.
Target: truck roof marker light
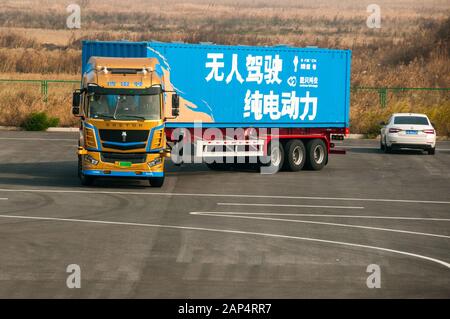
{"points": [[146, 70], [103, 69]]}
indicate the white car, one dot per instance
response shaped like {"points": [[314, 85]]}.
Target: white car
{"points": [[408, 130]]}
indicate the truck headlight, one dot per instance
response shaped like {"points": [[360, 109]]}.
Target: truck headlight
{"points": [[90, 159], [155, 162], [90, 139]]}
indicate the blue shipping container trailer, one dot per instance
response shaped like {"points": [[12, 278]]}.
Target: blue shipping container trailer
{"points": [[297, 96]]}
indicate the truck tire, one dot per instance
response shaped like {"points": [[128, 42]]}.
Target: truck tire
{"points": [[156, 181], [316, 154], [275, 152], [85, 180], [295, 155], [431, 151]]}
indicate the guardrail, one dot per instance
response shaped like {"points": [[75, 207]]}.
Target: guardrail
{"points": [[42, 83], [382, 91]]}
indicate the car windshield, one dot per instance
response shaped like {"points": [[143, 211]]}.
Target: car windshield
{"points": [[414, 120], [125, 107]]}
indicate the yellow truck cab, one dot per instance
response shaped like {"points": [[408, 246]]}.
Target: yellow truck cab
{"points": [[121, 105]]}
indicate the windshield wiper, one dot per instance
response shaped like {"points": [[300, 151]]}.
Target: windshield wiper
{"points": [[133, 116], [104, 115]]}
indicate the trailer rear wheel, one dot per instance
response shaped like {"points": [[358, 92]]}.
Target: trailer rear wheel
{"points": [[275, 153], [295, 155], [316, 154]]}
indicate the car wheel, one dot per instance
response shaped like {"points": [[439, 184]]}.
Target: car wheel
{"points": [[387, 149]]}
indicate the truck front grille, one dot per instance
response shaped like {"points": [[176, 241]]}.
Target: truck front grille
{"points": [[135, 158], [124, 136], [123, 147]]}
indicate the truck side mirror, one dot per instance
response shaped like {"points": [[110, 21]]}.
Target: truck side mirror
{"points": [[76, 101], [175, 105]]}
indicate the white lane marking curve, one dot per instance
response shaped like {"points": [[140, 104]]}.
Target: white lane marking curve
{"points": [[74, 191], [229, 231], [234, 215], [289, 205], [345, 216]]}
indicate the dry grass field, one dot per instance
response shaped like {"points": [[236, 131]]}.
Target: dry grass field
{"points": [[411, 49]]}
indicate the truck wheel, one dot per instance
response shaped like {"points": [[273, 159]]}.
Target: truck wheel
{"points": [[431, 151], [156, 181], [275, 152], [85, 180], [295, 153], [316, 154]]}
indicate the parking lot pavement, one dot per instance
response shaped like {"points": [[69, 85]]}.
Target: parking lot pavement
{"points": [[234, 234]]}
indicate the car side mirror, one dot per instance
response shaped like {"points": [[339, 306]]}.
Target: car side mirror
{"points": [[433, 125], [76, 101], [383, 123], [175, 105]]}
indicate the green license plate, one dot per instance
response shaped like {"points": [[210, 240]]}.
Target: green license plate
{"points": [[124, 164]]}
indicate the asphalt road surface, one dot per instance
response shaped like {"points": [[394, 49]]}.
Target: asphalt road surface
{"points": [[234, 234]]}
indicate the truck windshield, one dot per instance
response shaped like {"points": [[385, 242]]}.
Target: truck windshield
{"points": [[125, 107]]}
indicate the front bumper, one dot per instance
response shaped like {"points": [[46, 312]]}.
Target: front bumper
{"points": [[139, 170], [106, 173]]}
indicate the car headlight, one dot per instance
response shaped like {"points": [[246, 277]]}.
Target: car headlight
{"points": [[90, 159], [155, 162]]}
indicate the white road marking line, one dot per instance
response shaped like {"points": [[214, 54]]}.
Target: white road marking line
{"points": [[233, 215], [377, 148], [344, 216], [289, 205], [91, 191], [3, 199], [229, 231], [37, 139], [359, 147]]}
